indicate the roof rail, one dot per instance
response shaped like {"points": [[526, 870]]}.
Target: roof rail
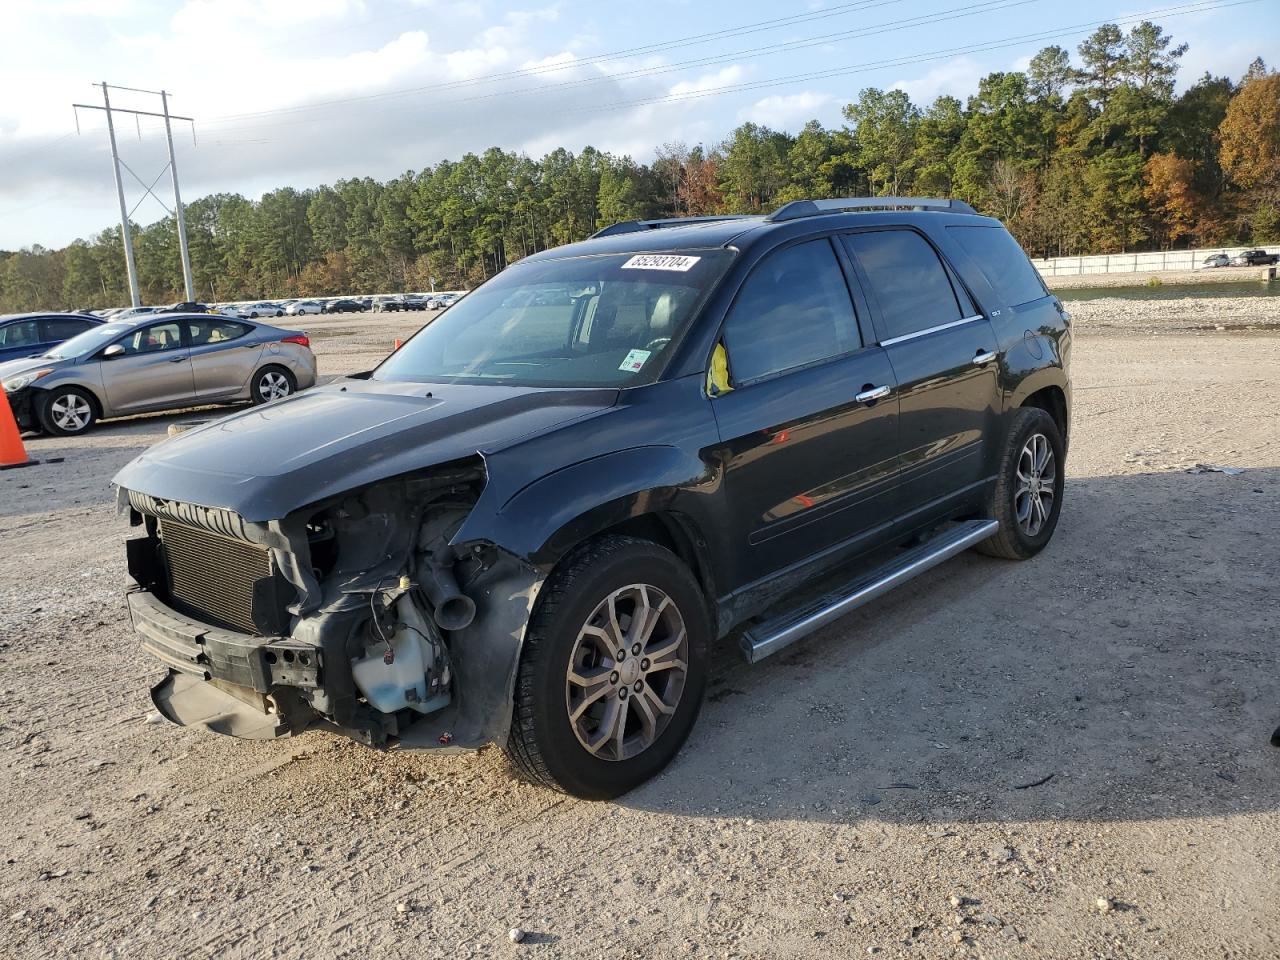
{"points": [[811, 208], [635, 226]]}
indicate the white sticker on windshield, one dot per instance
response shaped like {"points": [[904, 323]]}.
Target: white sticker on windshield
{"points": [[634, 360], [660, 261]]}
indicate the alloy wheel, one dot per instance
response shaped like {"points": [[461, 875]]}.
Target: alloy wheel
{"points": [[71, 412], [274, 385], [1037, 476], [627, 672]]}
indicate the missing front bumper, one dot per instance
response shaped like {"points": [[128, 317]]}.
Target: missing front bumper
{"points": [[189, 701]]}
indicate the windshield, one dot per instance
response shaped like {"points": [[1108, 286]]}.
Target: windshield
{"points": [[91, 340], [606, 321]]}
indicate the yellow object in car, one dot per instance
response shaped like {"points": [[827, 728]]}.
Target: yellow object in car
{"points": [[718, 375]]}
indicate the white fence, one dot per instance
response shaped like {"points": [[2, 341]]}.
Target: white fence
{"points": [[1135, 262]]}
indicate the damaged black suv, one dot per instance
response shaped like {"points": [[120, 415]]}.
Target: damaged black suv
{"points": [[528, 525]]}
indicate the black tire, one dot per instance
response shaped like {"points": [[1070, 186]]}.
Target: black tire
{"points": [[254, 315], [542, 744], [279, 313], [267, 375], [1014, 542], [52, 409]]}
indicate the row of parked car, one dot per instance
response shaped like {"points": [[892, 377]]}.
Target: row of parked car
{"points": [[1246, 258], [253, 310], [62, 372]]}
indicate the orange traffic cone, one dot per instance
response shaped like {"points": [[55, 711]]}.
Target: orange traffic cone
{"points": [[12, 452], [398, 345]]}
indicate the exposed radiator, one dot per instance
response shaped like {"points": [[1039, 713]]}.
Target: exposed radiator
{"points": [[218, 579]]}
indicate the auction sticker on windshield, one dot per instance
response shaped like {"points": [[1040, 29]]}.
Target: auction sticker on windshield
{"points": [[660, 261], [634, 360]]}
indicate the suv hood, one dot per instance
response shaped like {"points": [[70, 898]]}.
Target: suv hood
{"points": [[268, 461]]}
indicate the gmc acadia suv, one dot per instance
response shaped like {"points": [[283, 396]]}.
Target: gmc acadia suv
{"points": [[528, 524]]}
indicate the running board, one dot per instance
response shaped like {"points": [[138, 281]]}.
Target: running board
{"points": [[770, 636]]}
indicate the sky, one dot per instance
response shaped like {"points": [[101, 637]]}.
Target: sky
{"points": [[303, 92]]}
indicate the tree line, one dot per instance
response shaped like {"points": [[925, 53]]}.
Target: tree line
{"points": [[1095, 155]]}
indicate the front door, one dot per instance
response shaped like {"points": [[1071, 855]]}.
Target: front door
{"points": [[809, 429], [153, 372], [945, 358]]}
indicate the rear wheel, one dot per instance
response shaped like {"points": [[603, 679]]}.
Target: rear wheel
{"points": [[273, 383], [67, 411], [612, 672], [1028, 493]]}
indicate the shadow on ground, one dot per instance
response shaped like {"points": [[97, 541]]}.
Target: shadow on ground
{"points": [[1128, 672]]}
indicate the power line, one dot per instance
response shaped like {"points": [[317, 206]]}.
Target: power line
{"points": [[171, 167], [1052, 33], [787, 46], [540, 69]]}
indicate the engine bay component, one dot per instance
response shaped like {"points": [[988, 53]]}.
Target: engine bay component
{"points": [[406, 668]]}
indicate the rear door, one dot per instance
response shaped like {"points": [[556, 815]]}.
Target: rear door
{"points": [[57, 329], [154, 370], [946, 359], [224, 354], [809, 428]]}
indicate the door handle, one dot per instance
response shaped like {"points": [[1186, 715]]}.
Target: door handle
{"points": [[872, 394], [982, 359], [176, 359]]}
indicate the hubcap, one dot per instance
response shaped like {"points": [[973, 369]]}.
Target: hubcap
{"points": [[273, 386], [70, 412], [1036, 481], [619, 705]]}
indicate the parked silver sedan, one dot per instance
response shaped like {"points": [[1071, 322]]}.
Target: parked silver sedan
{"points": [[151, 363]]}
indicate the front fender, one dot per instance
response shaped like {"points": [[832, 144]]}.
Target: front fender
{"points": [[548, 517]]}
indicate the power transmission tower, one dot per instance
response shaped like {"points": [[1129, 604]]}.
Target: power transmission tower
{"points": [[117, 163]]}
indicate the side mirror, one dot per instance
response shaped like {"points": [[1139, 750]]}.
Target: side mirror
{"points": [[115, 350]]}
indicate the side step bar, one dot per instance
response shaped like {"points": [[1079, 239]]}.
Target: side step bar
{"points": [[770, 636]]}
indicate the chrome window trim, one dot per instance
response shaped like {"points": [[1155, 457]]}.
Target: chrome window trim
{"points": [[928, 330]]}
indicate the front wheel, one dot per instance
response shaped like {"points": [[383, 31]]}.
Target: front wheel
{"points": [[1027, 498], [67, 411], [612, 672], [273, 383]]}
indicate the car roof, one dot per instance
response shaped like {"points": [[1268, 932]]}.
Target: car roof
{"points": [[698, 235], [7, 317], [146, 319], [744, 232]]}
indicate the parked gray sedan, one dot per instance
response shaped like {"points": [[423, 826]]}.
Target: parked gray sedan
{"points": [[153, 363]]}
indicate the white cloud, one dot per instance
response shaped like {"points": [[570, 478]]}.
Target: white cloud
{"points": [[201, 18], [708, 81], [786, 112], [957, 78]]}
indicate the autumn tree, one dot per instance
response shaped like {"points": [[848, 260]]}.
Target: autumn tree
{"points": [[1176, 208], [1250, 154]]}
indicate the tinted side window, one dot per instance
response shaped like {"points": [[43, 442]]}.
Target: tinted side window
{"points": [[63, 328], [214, 330], [907, 279], [1002, 262], [794, 309], [159, 336], [20, 334]]}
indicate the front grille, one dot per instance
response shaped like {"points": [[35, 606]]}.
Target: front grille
{"points": [[221, 580]]}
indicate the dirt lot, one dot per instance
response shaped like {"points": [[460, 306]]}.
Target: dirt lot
{"points": [[961, 769]]}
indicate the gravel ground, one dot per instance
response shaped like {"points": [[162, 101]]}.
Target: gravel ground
{"points": [[1061, 758]]}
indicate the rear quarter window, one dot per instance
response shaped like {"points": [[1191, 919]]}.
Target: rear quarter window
{"points": [[1002, 262]]}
